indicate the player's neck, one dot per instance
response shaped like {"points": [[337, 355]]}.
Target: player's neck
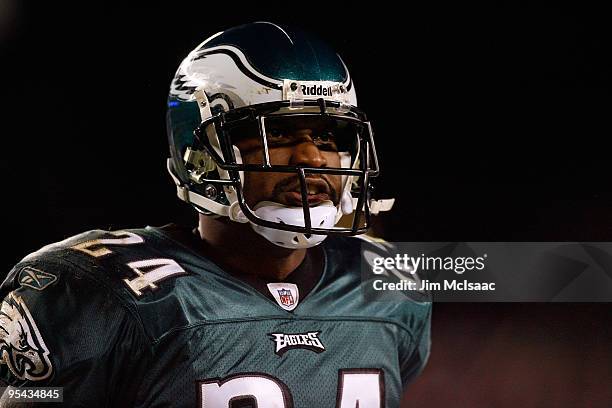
{"points": [[238, 248]]}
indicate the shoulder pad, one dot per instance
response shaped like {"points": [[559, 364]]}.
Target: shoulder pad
{"points": [[113, 259]]}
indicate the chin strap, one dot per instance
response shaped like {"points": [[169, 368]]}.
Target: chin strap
{"points": [[321, 216], [377, 206], [348, 204]]}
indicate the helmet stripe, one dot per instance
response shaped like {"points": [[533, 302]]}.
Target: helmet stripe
{"points": [[236, 58]]}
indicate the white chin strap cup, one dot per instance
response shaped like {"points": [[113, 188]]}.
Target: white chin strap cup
{"points": [[321, 216]]}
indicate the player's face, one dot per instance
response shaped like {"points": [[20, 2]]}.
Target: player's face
{"points": [[307, 143]]}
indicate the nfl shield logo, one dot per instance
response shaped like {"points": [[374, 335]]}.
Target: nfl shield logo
{"points": [[286, 294], [286, 298]]}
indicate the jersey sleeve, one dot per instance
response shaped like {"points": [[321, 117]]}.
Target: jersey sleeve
{"points": [[415, 316], [413, 361], [60, 327]]}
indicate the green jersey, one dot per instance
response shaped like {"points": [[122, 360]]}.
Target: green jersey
{"points": [[135, 318]]}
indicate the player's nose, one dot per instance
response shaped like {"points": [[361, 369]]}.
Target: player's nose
{"points": [[306, 153]]}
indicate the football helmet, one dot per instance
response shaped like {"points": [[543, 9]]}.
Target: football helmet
{"points": [[251, 81]]}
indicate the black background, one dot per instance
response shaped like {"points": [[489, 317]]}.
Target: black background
{"points": [[492, 123]]}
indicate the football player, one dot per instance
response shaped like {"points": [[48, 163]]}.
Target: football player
{"points": [[261, 305]]}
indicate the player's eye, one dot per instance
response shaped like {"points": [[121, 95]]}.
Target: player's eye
{"points": [[275, 133], [325, 140], [278, 137]]}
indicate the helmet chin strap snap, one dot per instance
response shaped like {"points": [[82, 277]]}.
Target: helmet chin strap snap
{"points": [[235, 213], [321, 216]]}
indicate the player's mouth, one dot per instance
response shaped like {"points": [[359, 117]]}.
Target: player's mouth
{"points": [[293, 198], [317, 191]]}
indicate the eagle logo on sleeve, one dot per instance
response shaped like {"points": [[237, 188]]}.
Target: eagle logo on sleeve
{"points": [[22, 348]]}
